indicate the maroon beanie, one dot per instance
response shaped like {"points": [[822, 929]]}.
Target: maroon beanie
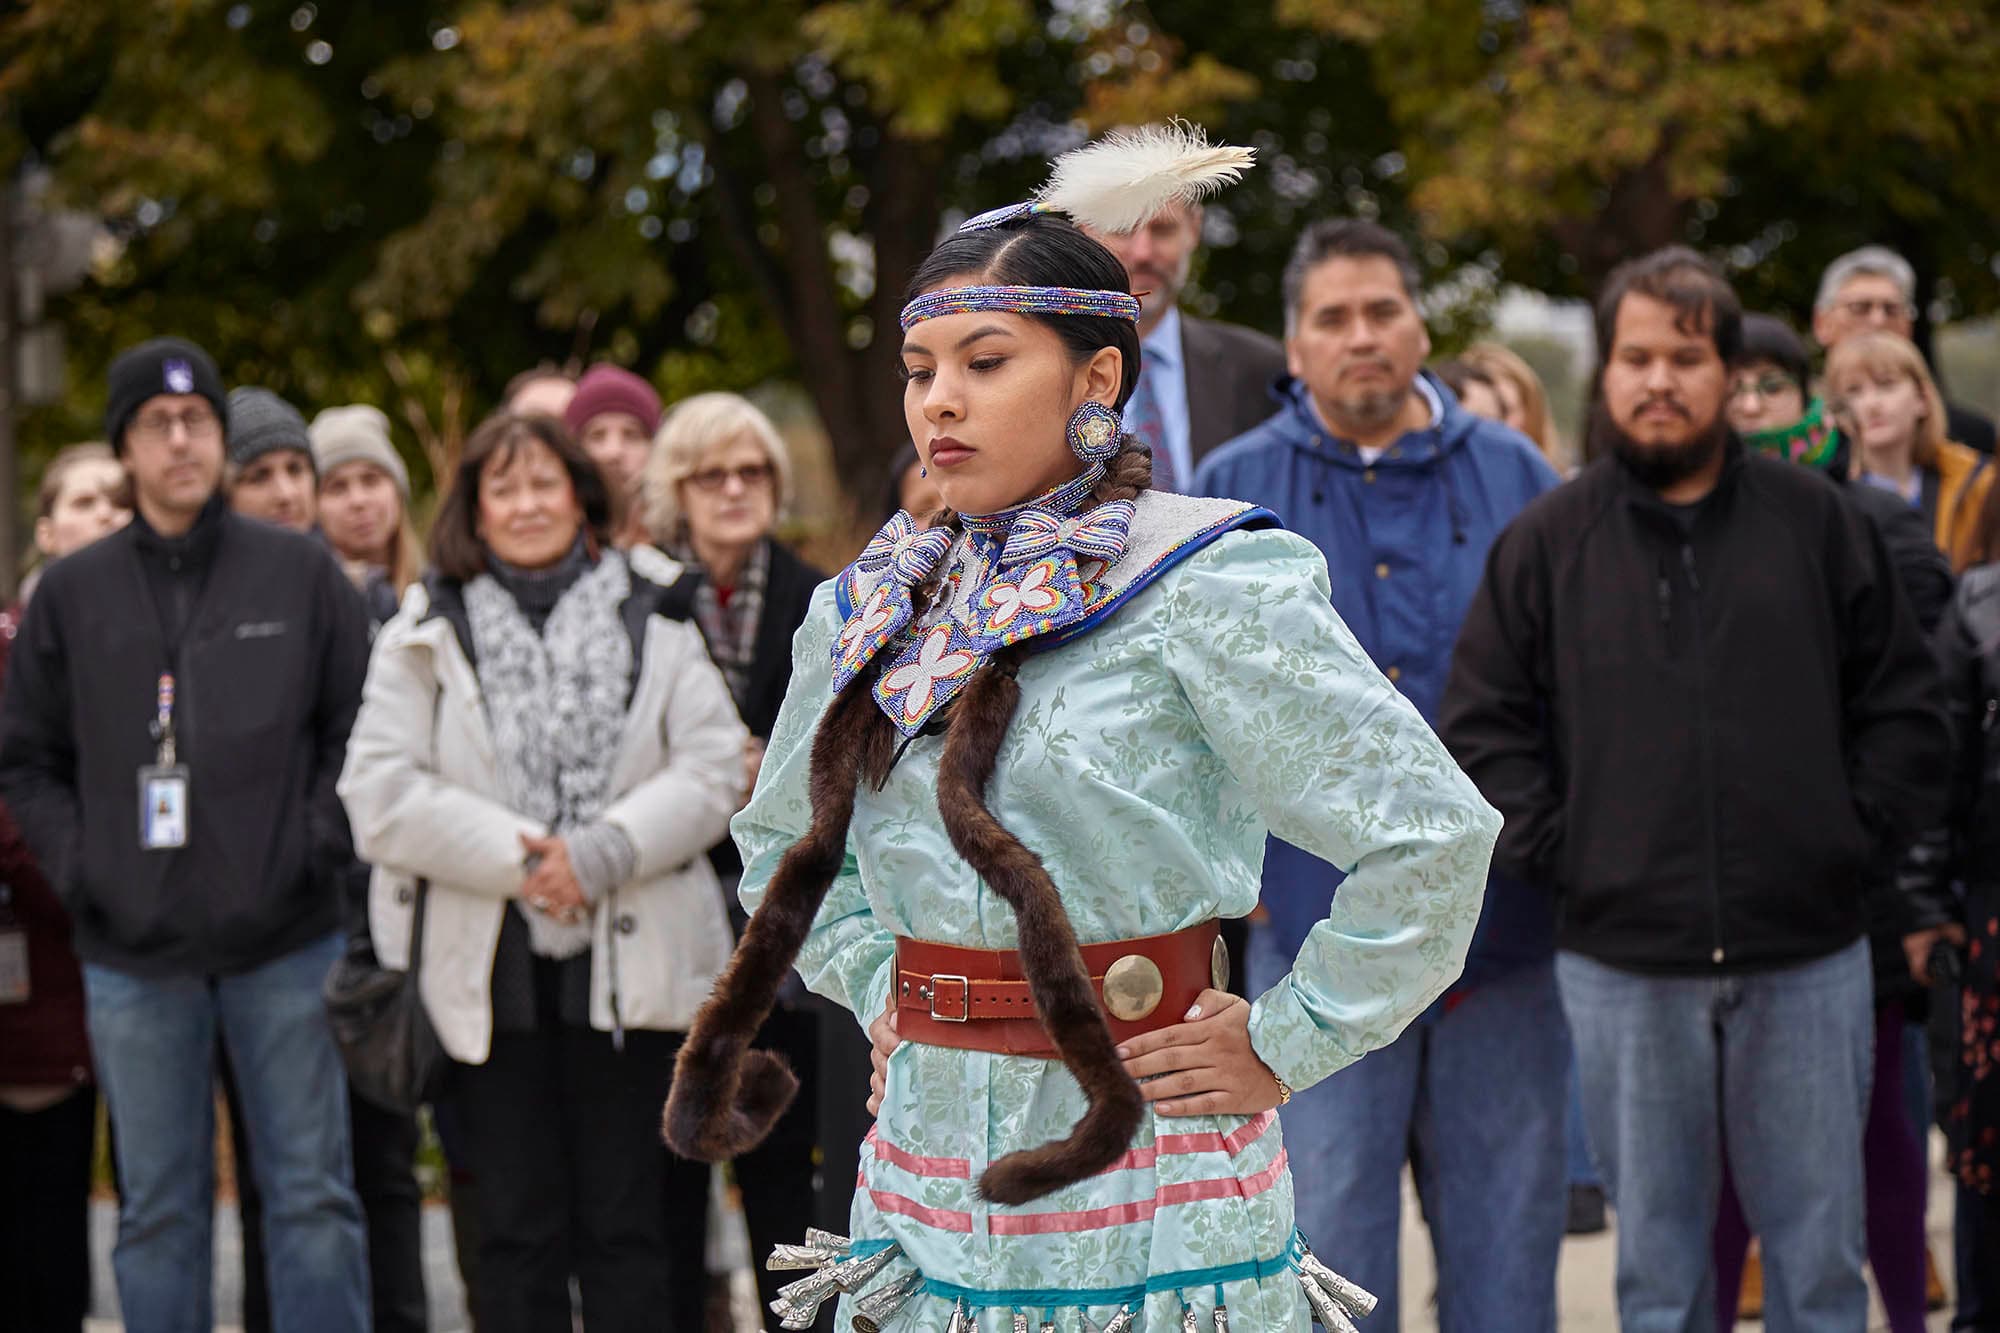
{"points": [[612, 389]]}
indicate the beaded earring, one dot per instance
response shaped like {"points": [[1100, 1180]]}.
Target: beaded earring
{"points": [[1095, 432]]}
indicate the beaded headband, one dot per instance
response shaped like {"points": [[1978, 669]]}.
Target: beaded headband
{"points": [[1021, 301]]}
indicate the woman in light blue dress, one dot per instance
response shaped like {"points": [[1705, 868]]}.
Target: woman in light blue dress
{"points": [[1030, 756]]}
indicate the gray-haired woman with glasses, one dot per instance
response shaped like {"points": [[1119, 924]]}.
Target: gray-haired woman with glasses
{"points": [[714, 488]]}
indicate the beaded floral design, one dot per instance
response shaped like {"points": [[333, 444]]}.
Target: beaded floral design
{"points": [[1013, 576], [908, 556]]}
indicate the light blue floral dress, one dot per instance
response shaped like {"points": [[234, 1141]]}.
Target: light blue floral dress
{"points": [[1146, 762]]}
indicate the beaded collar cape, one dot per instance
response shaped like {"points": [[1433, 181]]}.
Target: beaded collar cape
{"points": [[1049, 571]]}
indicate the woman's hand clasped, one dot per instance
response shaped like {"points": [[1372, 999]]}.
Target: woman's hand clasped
{"points": [[1205, 1065], [551, 886]]}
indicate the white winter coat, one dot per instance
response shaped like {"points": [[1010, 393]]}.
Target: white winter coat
{"points": [[424, 795]]}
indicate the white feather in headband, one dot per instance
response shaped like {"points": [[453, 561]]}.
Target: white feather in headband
{"points": [[1126, 177]]}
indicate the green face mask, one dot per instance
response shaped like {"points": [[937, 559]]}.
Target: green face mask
{"points": [[1811, 440]]}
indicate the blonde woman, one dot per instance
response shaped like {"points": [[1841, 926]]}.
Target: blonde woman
{"points": [[713, 488], [1891, 408], [1524, 403]]}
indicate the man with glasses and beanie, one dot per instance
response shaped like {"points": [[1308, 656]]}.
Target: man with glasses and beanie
{"points": [[176, 716]]}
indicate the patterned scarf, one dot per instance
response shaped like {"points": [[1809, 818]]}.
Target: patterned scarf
{"points": [[731, 631], [556, 702], [1012, 576], [1811, 440]]}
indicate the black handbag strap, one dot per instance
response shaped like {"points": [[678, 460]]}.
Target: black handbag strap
{"points": [[417, 928]]}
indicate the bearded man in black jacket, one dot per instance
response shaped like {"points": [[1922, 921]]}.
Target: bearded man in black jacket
{"points": [[1692, 684], [175, 719]]}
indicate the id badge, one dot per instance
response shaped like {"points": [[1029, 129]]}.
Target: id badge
{"points": [[13, 966], [163, 807]]}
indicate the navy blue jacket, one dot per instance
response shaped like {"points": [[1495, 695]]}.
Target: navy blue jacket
{"points": [[1405, 541]]}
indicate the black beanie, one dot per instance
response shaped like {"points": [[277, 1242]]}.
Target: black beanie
{"points": [[158, 366], [260, 422]]}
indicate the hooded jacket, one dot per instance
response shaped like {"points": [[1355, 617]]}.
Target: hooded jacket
{"points": [[1405, 539], [1710, 730]]}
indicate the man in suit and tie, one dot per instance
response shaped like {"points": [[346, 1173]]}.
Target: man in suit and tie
{"points": [[1200, 381]]}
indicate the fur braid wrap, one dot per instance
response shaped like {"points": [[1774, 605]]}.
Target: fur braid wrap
{"points": [[1057, 978], [725, 1096]]}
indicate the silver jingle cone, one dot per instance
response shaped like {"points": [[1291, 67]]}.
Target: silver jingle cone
{"points": [[857, 1272], [873, 1312], [807, 1294], [794, 1316], [1122, 1323], [1020, 1322], [1326, 1309], [827, 1240], [1359, 1301], [959, 1322], [1221, 1319], [793, 1258], [1189, 1324]]}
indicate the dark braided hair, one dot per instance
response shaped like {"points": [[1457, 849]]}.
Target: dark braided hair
{"points": [[725, 1096]]}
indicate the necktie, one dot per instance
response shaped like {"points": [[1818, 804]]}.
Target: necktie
{"points": [[1143, 419]]}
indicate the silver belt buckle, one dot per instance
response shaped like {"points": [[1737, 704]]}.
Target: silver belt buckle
{"points": [[964, 994]]}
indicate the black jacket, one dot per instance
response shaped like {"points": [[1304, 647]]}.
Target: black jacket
{"points": [[1230, 374], [1965, 848], [788, 590], [268, 680], [1925, 576], [1709, 737]]}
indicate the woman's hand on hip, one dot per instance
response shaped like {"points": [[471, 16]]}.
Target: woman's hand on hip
{"points": [[882, 1043], [1205, 1065]]}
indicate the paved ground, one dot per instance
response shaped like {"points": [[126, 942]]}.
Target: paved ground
{"points": [[1585, 1277]]}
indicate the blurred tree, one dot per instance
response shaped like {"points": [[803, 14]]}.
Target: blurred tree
{"points": [[363, 199], [409, 204], [1564, 137]]}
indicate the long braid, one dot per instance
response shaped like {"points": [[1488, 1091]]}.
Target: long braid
{"points": [[725, 1096], [1058, 981]]}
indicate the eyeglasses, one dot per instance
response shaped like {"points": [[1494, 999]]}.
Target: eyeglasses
{"points": [[750, 476], [1862, 308], [197, 423], [1768, 385]]}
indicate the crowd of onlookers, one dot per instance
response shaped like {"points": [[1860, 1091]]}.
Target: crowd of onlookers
{"points": [[565, 691], [1733, 685]]}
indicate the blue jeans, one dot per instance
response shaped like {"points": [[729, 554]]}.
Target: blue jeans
{"points": [[1782, 1061], [1474, 1096], [155, 1038]]}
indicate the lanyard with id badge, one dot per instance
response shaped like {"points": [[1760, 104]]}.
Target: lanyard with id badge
{"points": [[163, 785]]}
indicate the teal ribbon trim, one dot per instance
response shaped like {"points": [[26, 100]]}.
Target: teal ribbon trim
{"points": [[1246, 1271], [866, 1247]]}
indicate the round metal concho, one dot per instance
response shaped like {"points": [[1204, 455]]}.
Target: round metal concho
{"points": [[1218, 964], [1133, 987]]}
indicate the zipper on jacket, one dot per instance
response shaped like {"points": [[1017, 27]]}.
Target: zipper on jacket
{"points": [[1708, 812], [1666, 596]]}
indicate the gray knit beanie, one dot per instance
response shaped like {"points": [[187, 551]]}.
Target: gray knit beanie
{"points": [[358, 433], [261, 422]]}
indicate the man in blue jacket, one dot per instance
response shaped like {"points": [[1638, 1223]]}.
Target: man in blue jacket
{"points": [[1374, 461]]}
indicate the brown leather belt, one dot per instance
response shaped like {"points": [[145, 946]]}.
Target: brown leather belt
{"points": [[978, 999]]}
